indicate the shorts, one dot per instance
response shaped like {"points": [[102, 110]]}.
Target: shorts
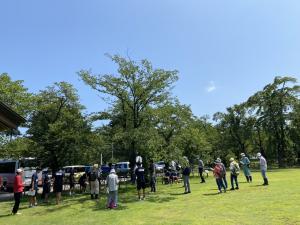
{"points": [[140, 185], [57, 189]]}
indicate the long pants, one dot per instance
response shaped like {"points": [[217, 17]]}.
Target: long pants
{"points": [[220, 184], [186, 181], [201, 174], [153, 184], [17, 197], [263, 173], [95, 187], [112, 196], [233, 178], [225, 181]]}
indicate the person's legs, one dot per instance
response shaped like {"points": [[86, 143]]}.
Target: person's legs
{"points": [[96, 189], [236, 182], [219, 184], [188, 184], [115, 197], [17, 197], [225, 181], [231, 181], [201, 175], [264, 175], [144, 193], [92, 189]]}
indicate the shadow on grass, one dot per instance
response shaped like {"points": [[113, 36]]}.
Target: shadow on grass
{"points": [[3, 216], [211, 194]]}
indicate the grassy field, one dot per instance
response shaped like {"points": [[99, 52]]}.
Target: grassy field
{"points": [[278, 203]]}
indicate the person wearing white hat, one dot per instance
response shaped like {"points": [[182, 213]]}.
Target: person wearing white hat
{"points": [[263, 168], [245, 162], [18, 190], [112, 182]]}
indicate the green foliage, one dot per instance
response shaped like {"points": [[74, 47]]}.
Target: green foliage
{"points": [[62, 134]]}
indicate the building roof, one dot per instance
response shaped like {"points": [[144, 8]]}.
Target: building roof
{"points": [[9, 119]]}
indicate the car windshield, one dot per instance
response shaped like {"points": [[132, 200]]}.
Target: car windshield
{"points": [[7, 167]]}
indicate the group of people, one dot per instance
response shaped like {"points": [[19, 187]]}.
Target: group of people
{"points": [[219, 172], [112, 181]]}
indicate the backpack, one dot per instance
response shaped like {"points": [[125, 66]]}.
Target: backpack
{"points": [[219, 170], [93, 176], [236, 169]]}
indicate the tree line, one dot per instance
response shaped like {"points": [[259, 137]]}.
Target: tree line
{"points": [[144, 118]]}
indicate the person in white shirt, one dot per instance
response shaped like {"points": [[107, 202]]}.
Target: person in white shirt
{"points": [[263, 168], [112, 183]]}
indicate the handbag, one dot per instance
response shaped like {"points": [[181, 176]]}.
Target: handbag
{"points": [[31, 193]]}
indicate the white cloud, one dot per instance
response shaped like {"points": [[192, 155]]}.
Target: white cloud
{"points": [[211, 87]]}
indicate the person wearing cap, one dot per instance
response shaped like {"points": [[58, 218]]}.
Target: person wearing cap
{"points": [[94, 182], [245, 162], [234, 172], [219, 161], [263, 168], [34, 188], [46, 186], [18, 190], [112, 182], [218, 174]]}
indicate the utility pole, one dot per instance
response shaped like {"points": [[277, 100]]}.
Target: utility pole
{"points": [[112, 151]]}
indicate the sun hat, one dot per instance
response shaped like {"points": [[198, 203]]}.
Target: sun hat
{"points": [[218, 160], [243, 154], [258, 154], [19, 170], [112, 171], [231, 159]]}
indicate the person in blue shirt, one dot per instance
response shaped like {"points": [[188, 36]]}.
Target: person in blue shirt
{"points": [[245, 162], [140, 180], [34, 188]]}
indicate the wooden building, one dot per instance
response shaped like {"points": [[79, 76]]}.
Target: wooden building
{"points": [[9, 119]]}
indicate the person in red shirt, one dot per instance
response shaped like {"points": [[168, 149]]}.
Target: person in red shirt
{"points": [[18, 189]]}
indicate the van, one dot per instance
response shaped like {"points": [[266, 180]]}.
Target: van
{"points": [[8, 169], [122, 168]]}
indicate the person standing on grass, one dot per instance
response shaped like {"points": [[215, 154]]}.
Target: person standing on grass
{"points": [[112, 182], [46, 187], [18, 190], [234, 172], [201, 169], [263, 168], [223, 172], [34, 188], [245, 162], [72, 182], [218, 174], [94, 182], [152, 171], [186, 175], [140, 180], [58, 185]]}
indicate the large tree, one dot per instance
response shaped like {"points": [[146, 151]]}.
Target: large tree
{"points": [[62, 134], [134, 91]]}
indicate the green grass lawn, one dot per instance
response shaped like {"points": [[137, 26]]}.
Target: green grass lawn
{"points": [[278, 203]]}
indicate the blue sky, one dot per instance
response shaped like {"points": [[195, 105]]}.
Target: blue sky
{"points": [[224, 50]]}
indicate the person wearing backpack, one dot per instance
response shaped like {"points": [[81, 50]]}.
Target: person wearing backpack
{"points": [[218, 171], [223, 172], [245, 162], [94, 182], [234, 172]]}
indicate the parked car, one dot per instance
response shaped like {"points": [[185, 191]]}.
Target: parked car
{"points": [[160, 166], [78, 170], [122, 168]]}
